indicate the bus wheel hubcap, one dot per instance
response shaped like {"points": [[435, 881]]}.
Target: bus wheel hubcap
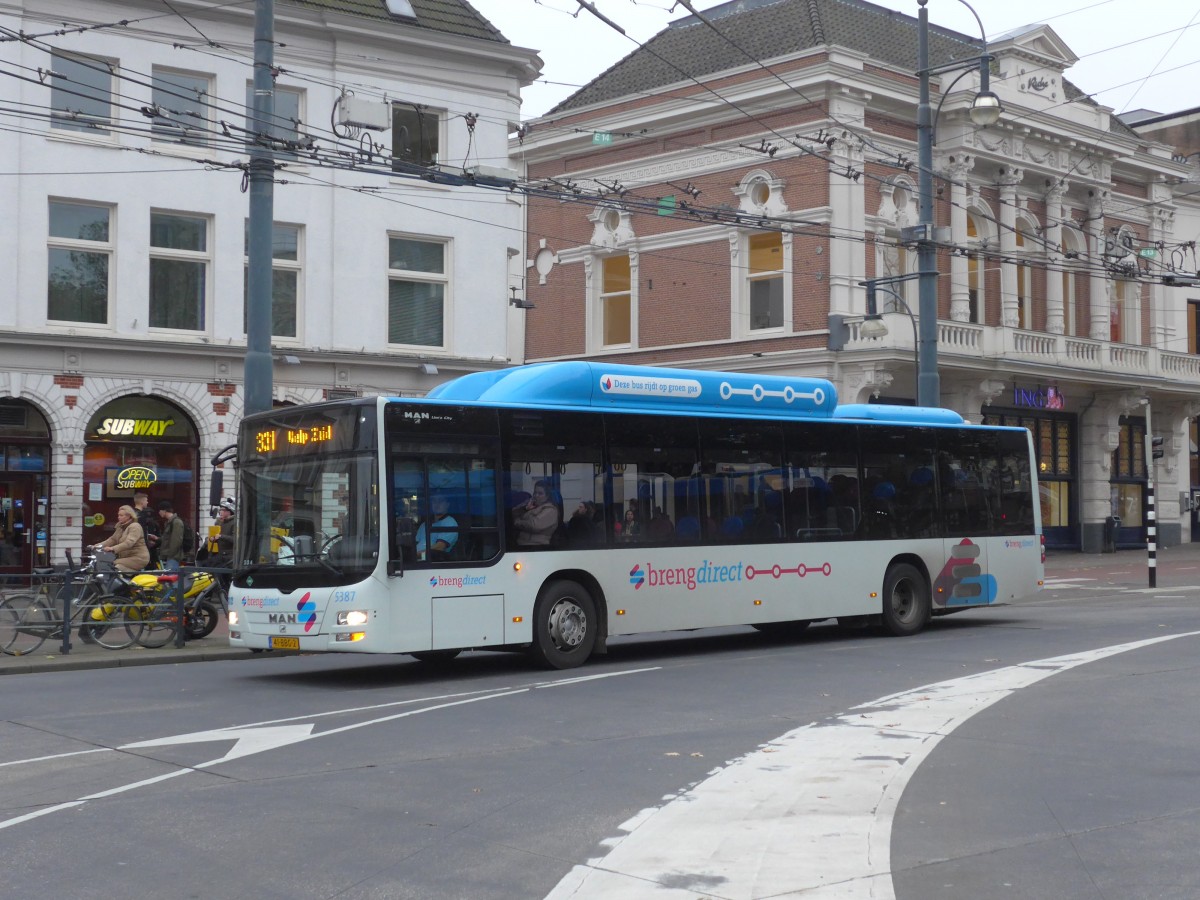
{"points": [[567, 624]]}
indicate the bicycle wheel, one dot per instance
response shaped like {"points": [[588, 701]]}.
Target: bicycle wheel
{"points": [[25, 622], [151, 624], [109, 622]]}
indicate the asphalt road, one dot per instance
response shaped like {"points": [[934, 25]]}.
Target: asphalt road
{"points": [[1042, 750]]}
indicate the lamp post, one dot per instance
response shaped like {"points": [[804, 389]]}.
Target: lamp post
{"points": [[873, 325], [985, 110]]}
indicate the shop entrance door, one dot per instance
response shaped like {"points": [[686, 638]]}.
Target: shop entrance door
{"points": [[23, 523]]}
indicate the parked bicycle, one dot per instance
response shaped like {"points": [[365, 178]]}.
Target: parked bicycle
{"points": [[29, 618]]}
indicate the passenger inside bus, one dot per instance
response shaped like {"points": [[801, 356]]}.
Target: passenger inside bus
{"points": [[582, 530], [537, 520], [442, 535]]}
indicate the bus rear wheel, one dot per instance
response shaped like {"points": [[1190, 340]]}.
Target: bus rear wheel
{"points": [[907, 604], [564, 625]]}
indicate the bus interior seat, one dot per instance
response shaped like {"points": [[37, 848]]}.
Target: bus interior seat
{"points": [[732, 527], [688, 529]]}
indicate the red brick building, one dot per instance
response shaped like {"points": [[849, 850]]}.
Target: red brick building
{"points": [[716, 198]]}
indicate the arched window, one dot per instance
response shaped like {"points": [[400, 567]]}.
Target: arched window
{"points": [[1027, 247], [1073, 244], [977, 243]]}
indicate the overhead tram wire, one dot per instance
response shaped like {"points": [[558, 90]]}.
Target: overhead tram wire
{"points": [[647, 205], [866, 142], [762, 222]]}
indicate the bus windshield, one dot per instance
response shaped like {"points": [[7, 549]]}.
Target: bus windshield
{"points": [[310, 503]]}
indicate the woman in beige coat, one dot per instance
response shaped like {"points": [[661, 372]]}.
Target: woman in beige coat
{"points": [[537, 520], [128, 542]]}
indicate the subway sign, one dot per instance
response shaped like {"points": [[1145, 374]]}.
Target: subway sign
{"points": [[134, 427], [135, 478]]}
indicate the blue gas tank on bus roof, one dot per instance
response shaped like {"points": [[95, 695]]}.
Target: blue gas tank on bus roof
{"points": [[644, 389]]}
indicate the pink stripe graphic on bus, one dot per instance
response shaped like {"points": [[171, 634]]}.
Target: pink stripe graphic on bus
{"points": [[776, 571]]}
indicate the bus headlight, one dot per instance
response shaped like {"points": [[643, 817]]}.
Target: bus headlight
{"points": [[352, 617], [234, 618]]}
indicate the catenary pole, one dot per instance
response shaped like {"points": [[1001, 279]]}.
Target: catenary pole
{"points": [[1151, 517], [929, 389], [261, 177]]}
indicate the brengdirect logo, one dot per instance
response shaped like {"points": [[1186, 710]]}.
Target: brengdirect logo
{"points": [[457, 581], [685, 576]]}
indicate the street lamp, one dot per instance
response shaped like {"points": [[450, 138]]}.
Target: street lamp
{"points": [[985, 110], [873, 326]]}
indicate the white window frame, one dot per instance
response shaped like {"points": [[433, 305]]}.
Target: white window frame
{"points": [[1022, 239], [977, 262], [296, 132], [442, 278], [600, 301], [193, 256], [1072, 242], [173, 129], [107, 248], [425, 110], [740, 324], [96, 126], [289, 265], [1127, 294]]}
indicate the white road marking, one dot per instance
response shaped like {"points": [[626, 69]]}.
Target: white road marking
{"points": [[263, 736], [37, 759], [809, 814]]}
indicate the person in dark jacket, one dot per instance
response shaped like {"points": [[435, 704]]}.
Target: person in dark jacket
{"points": [[170, 544], [227, 539], [146, 518]]}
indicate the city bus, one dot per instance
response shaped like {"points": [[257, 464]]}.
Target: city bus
{"points": [[552, 507]]}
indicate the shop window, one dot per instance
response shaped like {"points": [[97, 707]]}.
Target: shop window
{"points": [[286, 279], [81, 93], [179, 263], [138, 444], [1128, 479], [80, 252], [417, 292]]}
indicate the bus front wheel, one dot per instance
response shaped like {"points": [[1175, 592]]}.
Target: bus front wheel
{"points": [[907, 604], [564, 625]]}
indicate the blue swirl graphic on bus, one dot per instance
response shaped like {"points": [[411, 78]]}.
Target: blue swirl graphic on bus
{"points": [[636, 576], [433, 581], [307, 605]]}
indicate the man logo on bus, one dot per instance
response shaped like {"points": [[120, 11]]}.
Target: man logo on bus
{"points": [[636, 578], [305, 605]]}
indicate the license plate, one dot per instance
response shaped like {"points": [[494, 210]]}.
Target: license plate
{"points": [[285, 643]]}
